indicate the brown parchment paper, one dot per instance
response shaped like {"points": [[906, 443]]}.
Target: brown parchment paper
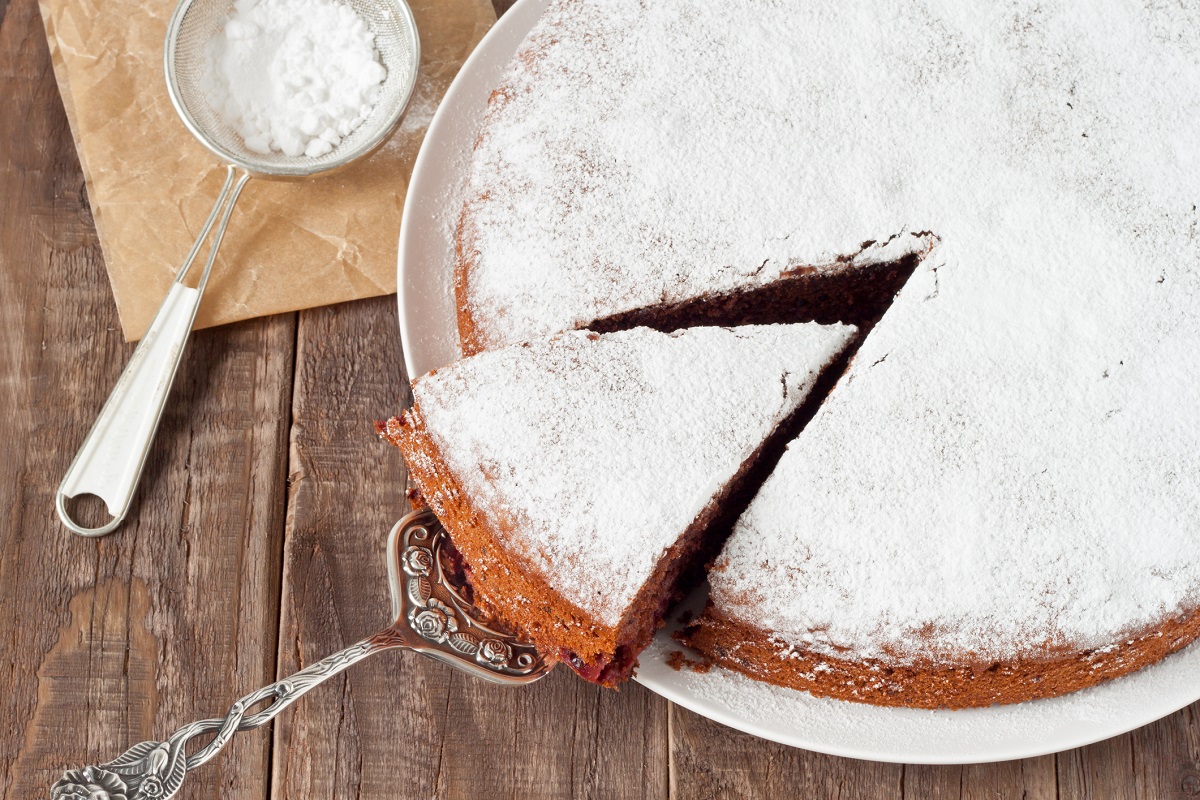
{"points": [[290, 245]]}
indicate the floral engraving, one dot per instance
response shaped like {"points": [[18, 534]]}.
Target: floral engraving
{"points": [[494, 651], [151, 788], [435, 621], [439, 608], [464, 643], [89, 783], [418, 561], [419, 590]]}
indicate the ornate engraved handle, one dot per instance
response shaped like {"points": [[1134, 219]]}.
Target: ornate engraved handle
{"points": [[434, 615], [155, 770]]}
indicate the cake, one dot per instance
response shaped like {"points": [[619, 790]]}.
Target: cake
{"points": [[585, 477], [1000, 499]]}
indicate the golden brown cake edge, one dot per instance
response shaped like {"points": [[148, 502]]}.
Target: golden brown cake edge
{"points": [[497, 575], [747, 649]]}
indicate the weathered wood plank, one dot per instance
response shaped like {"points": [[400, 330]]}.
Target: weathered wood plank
{"points": [[1166, 756], [1160, 760], [108, 642], [1104, 770], [1028, 779], [710, 760], [561, 737], [344, 496], [401, 725]]}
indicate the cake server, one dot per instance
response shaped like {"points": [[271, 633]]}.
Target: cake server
{"points": [[110, 461], [432, 614]]}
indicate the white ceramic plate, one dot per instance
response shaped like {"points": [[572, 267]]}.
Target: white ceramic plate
{"points": [[429, 331]]}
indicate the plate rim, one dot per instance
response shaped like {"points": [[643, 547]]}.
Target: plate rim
{"points": [[411, 316]]}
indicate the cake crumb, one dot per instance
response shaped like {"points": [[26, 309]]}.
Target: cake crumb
{"points": [[677, 660]]}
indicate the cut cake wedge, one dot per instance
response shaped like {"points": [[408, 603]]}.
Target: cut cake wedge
{"points": [[580, 475]]}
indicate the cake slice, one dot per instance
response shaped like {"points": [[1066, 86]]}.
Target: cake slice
{"points": [[580, 475]]}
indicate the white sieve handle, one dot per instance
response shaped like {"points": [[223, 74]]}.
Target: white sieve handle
{"points": [[110, 461]]}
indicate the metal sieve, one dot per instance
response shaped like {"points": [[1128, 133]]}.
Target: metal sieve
{"points": [[195, 22], [110, 461]]}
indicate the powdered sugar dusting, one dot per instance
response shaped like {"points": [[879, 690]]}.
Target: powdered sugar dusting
{"points": [[605, 449], [640, 153], [1011, 463]]}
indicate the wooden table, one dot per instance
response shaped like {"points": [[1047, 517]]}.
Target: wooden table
{"points": [[255, 547]]}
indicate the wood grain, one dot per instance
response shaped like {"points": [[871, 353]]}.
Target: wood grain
{"points": [[710, 760], [345, 493], [1160, 760], [113, 641], [255, 547], [1029, 779]]}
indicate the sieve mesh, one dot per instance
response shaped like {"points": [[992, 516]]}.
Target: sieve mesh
{"points": [[194, 24]]}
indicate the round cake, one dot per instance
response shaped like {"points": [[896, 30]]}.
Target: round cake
{"points": [[1000, 500]]}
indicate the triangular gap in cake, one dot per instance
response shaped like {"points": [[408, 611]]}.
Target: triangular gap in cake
{"points": [[855, 294], [582, 476], [854, 287]]}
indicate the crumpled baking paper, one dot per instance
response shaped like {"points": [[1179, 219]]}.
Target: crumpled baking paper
{"points": [[290, 245]]}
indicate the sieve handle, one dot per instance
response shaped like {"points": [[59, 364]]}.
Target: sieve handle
{"points": [[110, 461]]}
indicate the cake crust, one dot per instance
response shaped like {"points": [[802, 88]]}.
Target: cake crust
{"points": [[756, 653]]}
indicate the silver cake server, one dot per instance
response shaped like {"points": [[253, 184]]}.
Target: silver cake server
{"points": [[432, 613]]}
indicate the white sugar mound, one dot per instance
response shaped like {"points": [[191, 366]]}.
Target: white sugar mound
{"points": [[293, 76]]}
